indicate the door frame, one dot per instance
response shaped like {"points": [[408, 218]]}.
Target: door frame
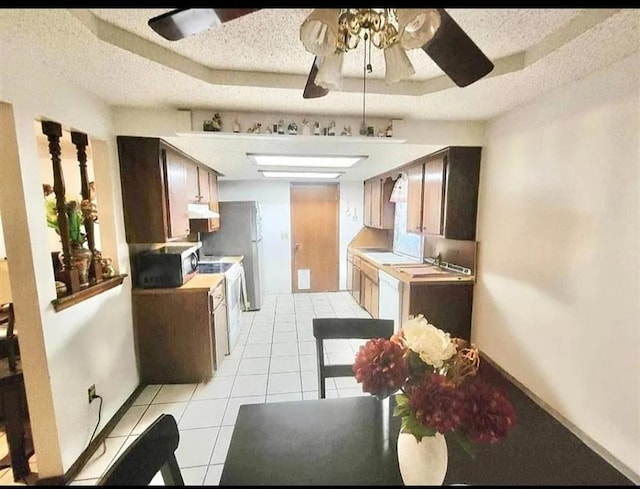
{"points": [[291, 241]]}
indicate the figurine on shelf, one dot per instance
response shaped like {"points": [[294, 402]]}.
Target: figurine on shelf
{"points": [[316, 129], [280, 126], [268, 130], [217, 122], [380, 133], [255, 129], [390, 129], [306, 130], [107, 268], [346, 131], [331, 130], [236, 126], [207, 125], [363, 129], [292, 129]]}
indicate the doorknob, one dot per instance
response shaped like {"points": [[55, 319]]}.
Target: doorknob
{"points": [[296, 246]]}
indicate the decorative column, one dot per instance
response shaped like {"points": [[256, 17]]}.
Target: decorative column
{"points": [[53, 131], [81, 141]]}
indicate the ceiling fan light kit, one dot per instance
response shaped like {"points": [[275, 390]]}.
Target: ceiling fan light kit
{"points": [[330, 72], [417, 26], [397, 64], [319, 31], [329, 33]]}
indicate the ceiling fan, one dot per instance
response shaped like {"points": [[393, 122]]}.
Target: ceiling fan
{"points": [[329, 33]]}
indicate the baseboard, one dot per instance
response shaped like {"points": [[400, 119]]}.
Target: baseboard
{"points": [[84, 457], [585, 438]]}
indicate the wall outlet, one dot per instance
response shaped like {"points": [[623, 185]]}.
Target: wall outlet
{"points": [[91, 393]]}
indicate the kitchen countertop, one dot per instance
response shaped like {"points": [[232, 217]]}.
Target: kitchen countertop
{"points": [[406, 272]]}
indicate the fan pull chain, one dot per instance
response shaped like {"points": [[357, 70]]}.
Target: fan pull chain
{"points": [[363, 128]]}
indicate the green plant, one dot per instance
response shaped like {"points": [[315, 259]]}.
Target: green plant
{"points": [[75, 211]]}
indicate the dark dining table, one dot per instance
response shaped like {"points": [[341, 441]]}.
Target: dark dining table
{"points": [[352, 441]]}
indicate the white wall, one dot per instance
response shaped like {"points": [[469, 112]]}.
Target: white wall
{"points": [[62, 353], [556, 302], [274, 198]]}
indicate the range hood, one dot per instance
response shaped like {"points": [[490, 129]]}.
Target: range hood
{"points": [[201, 211]]}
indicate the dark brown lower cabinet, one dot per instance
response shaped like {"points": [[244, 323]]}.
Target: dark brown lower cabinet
{"points": [[180, 335], [446, 306]]}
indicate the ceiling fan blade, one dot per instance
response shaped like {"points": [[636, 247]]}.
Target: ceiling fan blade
{"points": [[456, 54], [311, 90], [183, 22]]}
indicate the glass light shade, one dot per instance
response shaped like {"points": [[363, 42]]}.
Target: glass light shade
{"points": [[330, 72], [319, 31], [397, 64], [417, 26]]}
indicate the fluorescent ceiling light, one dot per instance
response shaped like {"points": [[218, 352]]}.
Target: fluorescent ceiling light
{"points": [[301, 174], [310, 161]]}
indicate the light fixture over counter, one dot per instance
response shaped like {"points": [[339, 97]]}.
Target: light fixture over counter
{"points": [[332, 32], [306, 161]]}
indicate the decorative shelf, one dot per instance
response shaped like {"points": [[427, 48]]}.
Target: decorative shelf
{"points": [[290, 137], [69, 300]]}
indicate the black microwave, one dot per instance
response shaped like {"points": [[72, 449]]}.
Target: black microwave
{"points": [[168, 266]]}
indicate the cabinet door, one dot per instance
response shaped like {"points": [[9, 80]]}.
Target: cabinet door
{"points": [[367, 203], [219, 331], [213, 192], [433, 197], [176, 182], [356, 284], [414, 199], [204, 192], [376, 203], [191, 172], [349, 275], [375, 300]]}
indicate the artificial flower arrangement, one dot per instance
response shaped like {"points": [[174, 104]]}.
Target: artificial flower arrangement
{"points": [[76, 212], [439, 391]]}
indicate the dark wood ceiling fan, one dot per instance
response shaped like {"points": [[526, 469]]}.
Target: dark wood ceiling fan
{"points": [[450, 47]]}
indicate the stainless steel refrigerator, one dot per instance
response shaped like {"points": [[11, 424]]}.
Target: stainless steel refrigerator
{"points": [[240, 233]]}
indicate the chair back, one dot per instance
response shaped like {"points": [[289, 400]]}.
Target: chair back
{"points": [[152, 452], [9, 339], [344, 328]]}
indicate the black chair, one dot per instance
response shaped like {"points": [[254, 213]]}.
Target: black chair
{"points": [[8, 338], [153, 451], [344, 328]]}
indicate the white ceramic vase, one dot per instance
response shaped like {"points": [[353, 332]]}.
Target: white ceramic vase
{"points": [[422, 463]]}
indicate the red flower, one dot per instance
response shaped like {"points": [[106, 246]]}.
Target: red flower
{"points": [[436, 402], [381, 367], [489, 414]]}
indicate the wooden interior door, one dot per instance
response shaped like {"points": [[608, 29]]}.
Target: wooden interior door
{"points": [[314, 236]]}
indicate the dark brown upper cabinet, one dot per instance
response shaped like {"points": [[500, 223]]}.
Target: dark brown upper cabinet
{"points": [[158, 182], [379, 212], [443, 193]]}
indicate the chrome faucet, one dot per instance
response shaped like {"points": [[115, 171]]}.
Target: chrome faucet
{"points": [[437, 260]]}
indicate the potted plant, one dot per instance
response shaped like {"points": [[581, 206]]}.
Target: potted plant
{"points": [[76, 213]]}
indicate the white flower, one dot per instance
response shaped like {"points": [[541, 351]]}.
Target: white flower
{"points": [[432, 344]]}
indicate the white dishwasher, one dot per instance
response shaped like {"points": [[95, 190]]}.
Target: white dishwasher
{"points": [[389, 298]]}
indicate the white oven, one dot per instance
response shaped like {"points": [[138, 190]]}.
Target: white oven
{"points": [[233, 282]]}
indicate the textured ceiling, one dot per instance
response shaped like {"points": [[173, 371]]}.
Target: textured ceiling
{"points": [[257, 64], [124, 70]]}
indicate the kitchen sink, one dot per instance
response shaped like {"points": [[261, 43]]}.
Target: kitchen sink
{"points": [[423, 270]]}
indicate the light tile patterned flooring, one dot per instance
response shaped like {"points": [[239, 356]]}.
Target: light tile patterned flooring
{"points": [[274, 360]]}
